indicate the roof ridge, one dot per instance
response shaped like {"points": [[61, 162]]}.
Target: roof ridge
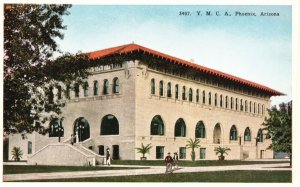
{"points": [[132, 47]]}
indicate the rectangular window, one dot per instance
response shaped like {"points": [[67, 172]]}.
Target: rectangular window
{"points": [[182, 153], [101, 149], [68, 90], [29, 147], [59, 92], [202, 153], [159, 152]]}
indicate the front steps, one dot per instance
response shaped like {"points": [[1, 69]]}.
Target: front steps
{"points": [[65, 154]]}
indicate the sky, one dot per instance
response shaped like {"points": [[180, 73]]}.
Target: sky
{"points": [[256, 48]]}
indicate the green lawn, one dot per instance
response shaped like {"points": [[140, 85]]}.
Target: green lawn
{"points": [[221, 176], [14, 169], [188, 163]]}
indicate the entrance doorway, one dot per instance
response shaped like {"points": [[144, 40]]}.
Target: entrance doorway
{"points": [[116, 155], [261, 154], [82, 129]]}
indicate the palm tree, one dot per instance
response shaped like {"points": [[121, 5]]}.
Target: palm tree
{"points": [[192, 144], [16, 153], [144, 149], [221, 150]]}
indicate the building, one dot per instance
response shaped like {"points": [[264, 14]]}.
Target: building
{"points": [[137, 95]]}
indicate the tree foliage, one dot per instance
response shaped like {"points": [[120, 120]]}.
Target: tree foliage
{"points": [[279, 128], [221, 150], [30, 70], [193, 144], [144, 149], [17, 153]]}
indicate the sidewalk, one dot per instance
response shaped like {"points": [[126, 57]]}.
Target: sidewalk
{"points": [[149, 171]]}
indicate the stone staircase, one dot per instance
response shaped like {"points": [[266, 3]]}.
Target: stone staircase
{"points": [[98, 159], [66, 154]]}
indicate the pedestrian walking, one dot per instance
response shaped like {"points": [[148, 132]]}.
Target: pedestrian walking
{"points": [[107, 157], [175, 158], [169, 162]]}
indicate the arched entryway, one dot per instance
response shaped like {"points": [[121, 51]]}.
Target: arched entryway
{"points": [[217, 134], [82, 129]]}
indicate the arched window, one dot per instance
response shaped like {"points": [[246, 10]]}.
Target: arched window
{"points": [[217, 134], [82, 129], [236, 103], [221, 100], [200, 130], [190, 95], [203, 97], [209, 98], [250, 106], [96, 88], [246, 106], [241, 105], [231, 103], [226, 102], [116, 85], [56, 128], [176, 91], [180, 129], [247, 134], [109, 125], [260, 136], [157, 126], [153, 86], [258, 108], [161, 88], [86, 89], [216, 99], [197, 95], [262, 109], [76, 89], [254, 108], [105, 87], [183, 93], [169, 94], [233, 133]]}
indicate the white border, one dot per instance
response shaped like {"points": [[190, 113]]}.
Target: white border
{"points": [[295, 76]]}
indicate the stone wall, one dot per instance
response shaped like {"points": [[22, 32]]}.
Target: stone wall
{"points": [[171, 109]]}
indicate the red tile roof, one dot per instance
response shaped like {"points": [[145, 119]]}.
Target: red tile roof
{"points": [[129, 48]]}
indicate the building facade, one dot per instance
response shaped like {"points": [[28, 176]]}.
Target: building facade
{"points": [[136, 96]]}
